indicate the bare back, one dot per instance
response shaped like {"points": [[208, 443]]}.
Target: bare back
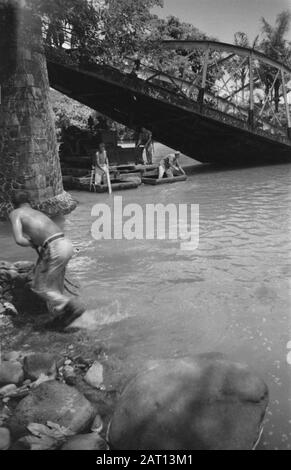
{"points": [[36, 226]]}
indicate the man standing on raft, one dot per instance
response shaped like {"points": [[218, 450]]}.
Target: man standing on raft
{"points": [[34, 229]]}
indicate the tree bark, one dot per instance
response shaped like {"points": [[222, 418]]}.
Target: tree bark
{"points": [[28, 146]]}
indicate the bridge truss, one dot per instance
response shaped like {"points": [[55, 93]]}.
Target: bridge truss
{"points": [[240, 82]]}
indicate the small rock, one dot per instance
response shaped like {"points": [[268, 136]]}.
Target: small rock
{"points": [[13, 356], [4, 439], [10, 373], [94, 376], [4, 391], [69, 375], [55, 402], [200, 403], [97, 424], [5, 414], [13, 274], [37, 364], [23, 266], [10, 309], [6, 322], [68, 362], [85, 442]]}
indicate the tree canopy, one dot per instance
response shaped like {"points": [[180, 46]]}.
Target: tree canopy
{"points": [[97, 29]]}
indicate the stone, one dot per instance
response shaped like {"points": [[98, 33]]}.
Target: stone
{"points": [[5, 414], [204, 403], [35, 365], [97, 424], [12, 356], [69, 375], [85, 442], [4, 439], [24, 266], [94, 375], [5, 391], [11, 373], [55, 402], [27, 131]]}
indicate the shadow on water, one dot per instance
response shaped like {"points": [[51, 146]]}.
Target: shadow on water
{"points": [[197, 168]]}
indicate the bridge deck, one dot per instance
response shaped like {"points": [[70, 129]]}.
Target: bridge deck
{"points": [[205, 134]]}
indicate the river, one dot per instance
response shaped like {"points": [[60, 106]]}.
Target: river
{"points": [[150, 299]]}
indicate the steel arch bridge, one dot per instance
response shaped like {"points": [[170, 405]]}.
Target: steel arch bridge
{"points": [[227, 104]]}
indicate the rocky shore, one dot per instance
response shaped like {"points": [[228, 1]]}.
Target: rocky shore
{"points": [[42, 406], [66, 391]]}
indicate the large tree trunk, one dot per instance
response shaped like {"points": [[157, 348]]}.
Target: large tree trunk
{"points": [[28, 147]]}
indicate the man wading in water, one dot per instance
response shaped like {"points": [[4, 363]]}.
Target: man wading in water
{"points": [[34, 229]]}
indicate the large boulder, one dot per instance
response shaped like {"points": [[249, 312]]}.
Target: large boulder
{"points": [[55, 402], [206, 403]]}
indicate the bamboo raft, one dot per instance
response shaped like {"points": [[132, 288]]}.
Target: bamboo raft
{"points": [[84, 184], [155, 181]]}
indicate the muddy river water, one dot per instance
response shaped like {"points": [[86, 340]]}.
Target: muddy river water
{"points": [[150, 299]]}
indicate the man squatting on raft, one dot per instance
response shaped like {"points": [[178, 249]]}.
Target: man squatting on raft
{"points": [[170, 166], [32, 228]]}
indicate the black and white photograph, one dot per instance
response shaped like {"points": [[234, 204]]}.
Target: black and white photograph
{"points": [[145, 221]]}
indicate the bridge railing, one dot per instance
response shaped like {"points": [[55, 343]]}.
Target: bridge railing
{"points": [[238, 112], [222, 95]]}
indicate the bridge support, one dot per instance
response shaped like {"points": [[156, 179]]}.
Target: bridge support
{"points": [[28, 146]]}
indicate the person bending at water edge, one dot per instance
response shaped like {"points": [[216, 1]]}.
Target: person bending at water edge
{"points": [[170, 166], [34, 229]]}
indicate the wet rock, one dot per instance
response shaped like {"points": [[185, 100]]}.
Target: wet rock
{"points": [[85, 442], [15, 280], [24, 266], [97, 424], [55, 402], [13, 356], [69, 375], [10, 309], [10, 373], [5, 391], [4, 439], [5, 414], [36, 365], [94, 376], [191, 404]]}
